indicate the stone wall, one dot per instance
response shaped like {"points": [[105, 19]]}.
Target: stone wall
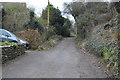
{"points": [[0, 15], [11, 52]]}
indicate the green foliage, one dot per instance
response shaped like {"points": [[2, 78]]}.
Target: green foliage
{"points": [[107, 51], [104, 44], [101, 34], [35, 22], [117, 6], [111, 58], [31, 9], [14, 8], [32, 14], [100, 8], [76, 9], [106, 54], [56, 20], [42, 21], [105, 48], [98, 39], [51, 31], [95, 47], [50, 43], [85, 15], [55, 15], [8, 43], [10, 9], [65, 32]]}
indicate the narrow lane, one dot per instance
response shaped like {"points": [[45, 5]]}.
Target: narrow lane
{"points": [[62, 61]]}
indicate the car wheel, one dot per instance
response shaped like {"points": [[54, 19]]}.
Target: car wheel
{"points": [[27, 46]]}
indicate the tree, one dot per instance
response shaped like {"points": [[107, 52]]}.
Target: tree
{"points": [[66, 28], [117, 6], [75, 9], [55, 15], [56, 19], [34, 22], [86, 15]]}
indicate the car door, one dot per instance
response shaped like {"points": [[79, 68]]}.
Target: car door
{"points": [[5, 36]]}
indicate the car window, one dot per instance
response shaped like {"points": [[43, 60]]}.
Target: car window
{"points": [[0, 32], [5, 33]]}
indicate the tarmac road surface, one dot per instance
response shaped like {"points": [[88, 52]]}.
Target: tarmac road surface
{"points": [[65, 60]]}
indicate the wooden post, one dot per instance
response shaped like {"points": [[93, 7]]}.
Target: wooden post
{"points": [[48, 21], [48, 14]]}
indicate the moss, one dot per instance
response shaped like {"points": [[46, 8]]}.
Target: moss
{"points": [[10, 9]]}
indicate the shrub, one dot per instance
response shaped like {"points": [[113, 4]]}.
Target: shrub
{"points": [[50, 43], [32, 36], [95, 47], [111, 57], [7, 43], [108, 51]]}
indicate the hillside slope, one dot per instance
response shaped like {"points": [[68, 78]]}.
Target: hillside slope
{"points": [[103, 42]]}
